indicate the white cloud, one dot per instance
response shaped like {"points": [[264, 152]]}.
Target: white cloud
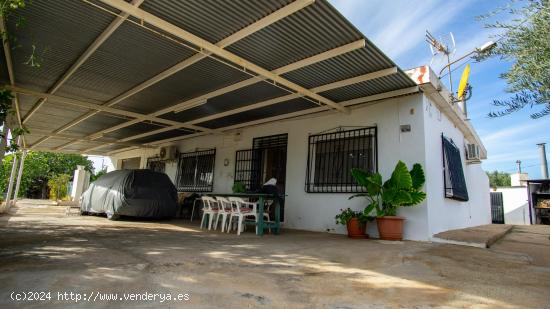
{"points": [[398, 27], [516, 131]]}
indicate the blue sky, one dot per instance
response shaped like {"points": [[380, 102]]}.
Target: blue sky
{"points": [[398, 27]]}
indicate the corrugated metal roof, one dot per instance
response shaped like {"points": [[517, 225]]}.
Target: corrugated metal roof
{"points": [[133, 54], [310, 31], [94, 124], [123, 61], [202, 77], [135, 129], [248, 95], [355, 63], [260, 113], [109, 148], [161, 136], [61, 31], [53, 143], [212, 20], [371, 87], [81, 146]]}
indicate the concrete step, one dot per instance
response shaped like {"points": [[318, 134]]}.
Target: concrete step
{"points": [[482, 236]]}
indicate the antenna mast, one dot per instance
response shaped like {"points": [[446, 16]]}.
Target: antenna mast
{"points": [[440, 47]]}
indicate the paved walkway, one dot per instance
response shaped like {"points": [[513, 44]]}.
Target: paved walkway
{"points": [[43, 250]]}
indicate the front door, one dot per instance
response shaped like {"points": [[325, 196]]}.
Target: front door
{"points": [[266, 160]]}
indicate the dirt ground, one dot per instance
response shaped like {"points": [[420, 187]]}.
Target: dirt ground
{"points": [[42, 250]]}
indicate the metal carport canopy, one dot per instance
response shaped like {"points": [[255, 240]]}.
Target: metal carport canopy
{"points": [[116, 74]]}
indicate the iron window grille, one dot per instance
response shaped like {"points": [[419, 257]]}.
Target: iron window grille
{"points": [[196, 171], [453, 173], [331, 156], [156, 165]]}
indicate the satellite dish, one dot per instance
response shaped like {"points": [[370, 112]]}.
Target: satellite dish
{"points": [[463, 85]]}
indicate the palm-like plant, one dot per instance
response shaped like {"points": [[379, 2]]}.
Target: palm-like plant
{"points": [[402, 189]]}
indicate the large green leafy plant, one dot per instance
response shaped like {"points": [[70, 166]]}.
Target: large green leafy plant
{"points": [[403, 189]]}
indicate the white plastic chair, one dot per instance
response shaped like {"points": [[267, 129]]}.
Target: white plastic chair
{"points": [[241, 209], [210, 209], [224, 211]]}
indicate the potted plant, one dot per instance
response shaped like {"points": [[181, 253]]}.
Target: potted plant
{"points": [[403, 189], [238, 187], [355, 222]]}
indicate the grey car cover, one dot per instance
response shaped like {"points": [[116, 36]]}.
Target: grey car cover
{"points": [[133, 193]]}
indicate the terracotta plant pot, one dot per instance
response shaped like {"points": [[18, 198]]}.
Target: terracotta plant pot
{"points": [[390, 227], [356, 229]]}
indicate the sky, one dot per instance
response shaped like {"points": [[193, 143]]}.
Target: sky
{"points": [[398, 28]]}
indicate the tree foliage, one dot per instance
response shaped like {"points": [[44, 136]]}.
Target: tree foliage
{"points": [[525, 42], [499, 179], [40, 167], [94, 177]]}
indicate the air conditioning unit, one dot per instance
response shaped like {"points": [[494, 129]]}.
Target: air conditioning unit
{"points": [[168, 153], [472, 153]]}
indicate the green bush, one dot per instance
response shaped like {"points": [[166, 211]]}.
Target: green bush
{"points": [[41, 166]]}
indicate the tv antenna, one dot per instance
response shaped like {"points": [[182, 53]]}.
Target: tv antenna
{"points": [[444, 48]]}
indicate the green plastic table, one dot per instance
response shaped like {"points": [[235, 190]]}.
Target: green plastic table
{"points": [[275, 226]]}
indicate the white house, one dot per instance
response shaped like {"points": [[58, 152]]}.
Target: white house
{"points": [[407, 127], [274, 88]]}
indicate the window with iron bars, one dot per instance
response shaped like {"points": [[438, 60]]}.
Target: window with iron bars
{"points": [[156, 165], [331, 156], [453, 173], [196, 171]]}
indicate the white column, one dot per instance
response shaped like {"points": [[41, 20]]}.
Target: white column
{"points": [[81, 179], [19, 176], [3, 140], [12, 177]]}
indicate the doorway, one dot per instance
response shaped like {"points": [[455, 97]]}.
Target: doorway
{"points": [[497, 208], [266, 160]]}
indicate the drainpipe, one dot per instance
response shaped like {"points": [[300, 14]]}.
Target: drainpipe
{"points": [[543, 162], [19, 176]]}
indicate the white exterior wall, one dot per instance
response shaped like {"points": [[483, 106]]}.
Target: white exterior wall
{"points": [[316, 211], [516, 204], [444, 213], [81, 181]]}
